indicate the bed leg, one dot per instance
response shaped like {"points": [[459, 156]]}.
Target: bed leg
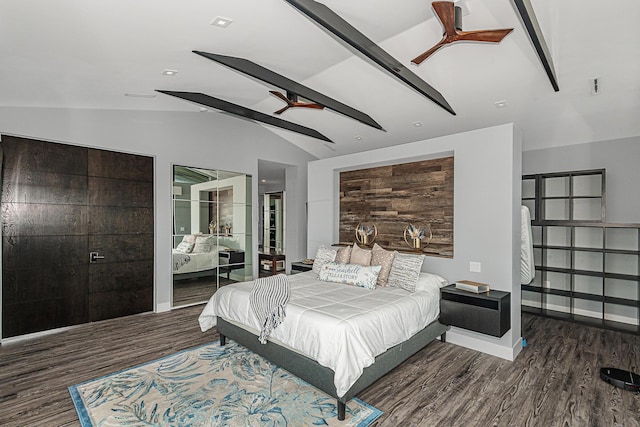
{"points": [[342, 410], [223, 340], [443, 337]]}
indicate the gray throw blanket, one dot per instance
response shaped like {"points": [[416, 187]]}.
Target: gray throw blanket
{"points": [[268, 299]]}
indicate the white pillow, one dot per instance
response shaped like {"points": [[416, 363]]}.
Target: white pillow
{"points": [[405, 271], [184, 247], [428, 281], [323, 256], [350, 274], [203, 244]]}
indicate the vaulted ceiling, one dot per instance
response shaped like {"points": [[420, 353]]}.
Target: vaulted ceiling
{"points": [[111, 55]]}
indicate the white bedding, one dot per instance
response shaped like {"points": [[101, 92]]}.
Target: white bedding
{"points": [[340, 326], [197, 261], [527, 266]]}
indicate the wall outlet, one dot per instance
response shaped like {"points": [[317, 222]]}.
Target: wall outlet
{"points": [[475, 267], [181, 228]]}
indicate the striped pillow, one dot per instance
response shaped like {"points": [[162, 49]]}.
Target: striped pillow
{"points": [[405, 271]]}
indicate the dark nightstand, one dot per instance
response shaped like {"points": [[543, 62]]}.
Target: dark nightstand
{"points": [[299, 267], [230, 260], [488, 313]]}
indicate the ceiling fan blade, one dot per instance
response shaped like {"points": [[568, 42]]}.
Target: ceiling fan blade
{"points": [[309, 105], [418, 59], [489, 36], [282, 110], [447, 13]]}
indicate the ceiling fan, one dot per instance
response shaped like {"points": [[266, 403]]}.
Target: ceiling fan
{"points": [[292, 102], [451, 18]]}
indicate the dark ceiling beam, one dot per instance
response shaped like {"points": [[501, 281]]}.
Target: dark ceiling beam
{"points": [[530, 22], [238, 110], [341, 28], [259, 72]]}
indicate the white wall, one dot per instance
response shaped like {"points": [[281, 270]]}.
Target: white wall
{"points": [[619, 157], [205, 140], [487, 167]]}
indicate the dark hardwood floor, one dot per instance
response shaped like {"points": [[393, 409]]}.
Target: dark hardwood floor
{"points": [[554, 382]]}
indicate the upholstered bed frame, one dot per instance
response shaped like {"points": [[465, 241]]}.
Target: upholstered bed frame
{"points": [[322, 377]]}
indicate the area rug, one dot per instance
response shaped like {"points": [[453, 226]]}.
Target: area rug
{"points": [[210, 386]]}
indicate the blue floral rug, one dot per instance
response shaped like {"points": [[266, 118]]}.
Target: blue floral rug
{"points": [[210, 386]]}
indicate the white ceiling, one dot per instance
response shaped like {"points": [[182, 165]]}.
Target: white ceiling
{"points": [[89, 54]]}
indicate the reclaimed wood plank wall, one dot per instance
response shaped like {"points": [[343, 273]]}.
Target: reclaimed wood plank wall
{"points": [[394, 196]]}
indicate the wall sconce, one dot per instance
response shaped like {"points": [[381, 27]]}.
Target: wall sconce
{"points": [[416, 234], [366, 233]]}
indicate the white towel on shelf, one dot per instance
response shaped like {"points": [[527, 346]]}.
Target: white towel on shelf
{"points": [[268, 299]]}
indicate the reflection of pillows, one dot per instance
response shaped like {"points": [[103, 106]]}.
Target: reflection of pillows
{"points": [[405, 271], [323, 256], [430, 281], [350, 274], [383, 258], [189, 238], [344, 255], [360, 256], [203, 243], [184, 247]]}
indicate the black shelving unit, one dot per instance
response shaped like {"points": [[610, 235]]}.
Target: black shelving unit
{"points": [[587, 270]]}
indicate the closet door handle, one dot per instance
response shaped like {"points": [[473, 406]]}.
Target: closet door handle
{"points": [[94, 257]]}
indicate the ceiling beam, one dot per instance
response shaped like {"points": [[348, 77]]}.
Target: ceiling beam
{"points": [[238, 110], [341, 28], [530, 22], [259, 72]]}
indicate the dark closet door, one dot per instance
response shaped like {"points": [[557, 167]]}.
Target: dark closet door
{"points": [[59, 203]]}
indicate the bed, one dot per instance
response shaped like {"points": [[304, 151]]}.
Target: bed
{"points": [[196, 256], [340, 338]]}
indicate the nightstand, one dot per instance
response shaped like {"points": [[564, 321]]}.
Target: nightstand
{"points": [[488, 313], [230, 260], [299, 267]]}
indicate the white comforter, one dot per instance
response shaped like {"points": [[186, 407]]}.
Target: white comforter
{"points": [[340, 326], [197, 261]]}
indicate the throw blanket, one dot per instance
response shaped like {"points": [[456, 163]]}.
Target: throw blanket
{"points": [[268, 298], [180, 259]]}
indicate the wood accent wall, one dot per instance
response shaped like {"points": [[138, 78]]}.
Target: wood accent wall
{"points": [[394, 196]]}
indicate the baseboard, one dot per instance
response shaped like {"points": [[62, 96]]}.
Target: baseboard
{"points": [[484, 343]]}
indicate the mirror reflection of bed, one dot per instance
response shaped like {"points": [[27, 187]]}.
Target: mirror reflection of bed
{"points": [[211, 232]]}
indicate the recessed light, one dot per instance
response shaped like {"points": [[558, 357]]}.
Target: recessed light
{"points": [[168, 72], [203, 110], [140, 95], [500, 104], [263, 180], [358, 137], [221, 22], [417, 124]]}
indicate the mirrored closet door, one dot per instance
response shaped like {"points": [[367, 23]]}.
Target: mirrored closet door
{"points": [[211, 232]]}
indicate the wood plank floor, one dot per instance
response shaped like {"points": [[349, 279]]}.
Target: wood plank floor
{"points": [[554, 382]]}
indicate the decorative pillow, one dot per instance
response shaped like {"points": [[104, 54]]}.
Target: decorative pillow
{"points": [[184, 247], [323, 256], [428, 281], [405, 271], [203, 243], [383, 258], [360, 256], [350, 274], [344, 255], [189, 238]]}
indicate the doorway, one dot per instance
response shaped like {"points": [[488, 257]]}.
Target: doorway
{"points": [[77, 235]]}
